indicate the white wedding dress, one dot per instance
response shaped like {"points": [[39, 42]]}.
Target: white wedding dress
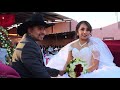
{"points": [[107, 69]]}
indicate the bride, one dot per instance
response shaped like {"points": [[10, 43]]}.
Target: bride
{"points": [[91, 49]]}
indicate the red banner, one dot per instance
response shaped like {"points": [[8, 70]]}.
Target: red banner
{"points": [[7, 20]]}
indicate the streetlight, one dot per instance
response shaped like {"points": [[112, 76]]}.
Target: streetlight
{"points": [[117, 17]]}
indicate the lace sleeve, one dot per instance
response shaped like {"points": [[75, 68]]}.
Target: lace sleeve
{"points": [[95, 52], [70, 48], [101, 52]]}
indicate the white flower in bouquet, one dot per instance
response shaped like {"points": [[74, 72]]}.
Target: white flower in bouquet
{"points": [[72, 74], [72, 67], [76, 67]]}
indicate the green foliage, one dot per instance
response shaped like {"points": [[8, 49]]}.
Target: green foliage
{"points": [[6, 42]]}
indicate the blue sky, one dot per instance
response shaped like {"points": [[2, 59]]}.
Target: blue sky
{"points": [[96, 19]]}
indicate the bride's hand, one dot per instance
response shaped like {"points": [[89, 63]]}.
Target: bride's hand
{"points": [[61, 72]]}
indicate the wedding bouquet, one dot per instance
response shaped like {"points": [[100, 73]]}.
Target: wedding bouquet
{"points": [[76, 67]]}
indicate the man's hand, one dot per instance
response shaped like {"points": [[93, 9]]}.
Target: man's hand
{"points": [[61, 72]]}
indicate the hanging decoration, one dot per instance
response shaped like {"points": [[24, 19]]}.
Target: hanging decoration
{"points": [[7, 20]]}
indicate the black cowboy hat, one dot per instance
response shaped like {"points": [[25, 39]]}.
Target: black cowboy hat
{"points": [[34, 20]]}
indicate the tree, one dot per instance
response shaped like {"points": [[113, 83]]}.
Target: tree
{"points": [[6, 43]]}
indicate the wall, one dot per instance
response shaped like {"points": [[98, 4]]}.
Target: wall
{"points": [[62, 27], [56, 42], [73, 25], [108, 31]]}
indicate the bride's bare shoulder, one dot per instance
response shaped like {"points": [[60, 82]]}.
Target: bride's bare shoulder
{"points": [[74, 44]]}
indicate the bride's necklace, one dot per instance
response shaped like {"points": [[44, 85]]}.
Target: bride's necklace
{"points": [[81, 45]]}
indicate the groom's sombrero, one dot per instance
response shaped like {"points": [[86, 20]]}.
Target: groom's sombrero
{"points": [[34, 20]]}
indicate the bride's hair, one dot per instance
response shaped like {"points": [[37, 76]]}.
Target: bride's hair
{"points": [[83, 22]]}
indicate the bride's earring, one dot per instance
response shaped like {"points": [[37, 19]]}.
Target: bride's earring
{"points": [[77, 36], [90, 35]]}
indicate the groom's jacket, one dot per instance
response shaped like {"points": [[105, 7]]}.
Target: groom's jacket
{"points": [[27, 60]]}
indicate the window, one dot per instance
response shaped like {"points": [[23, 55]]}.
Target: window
{"points": [[108, 38]]}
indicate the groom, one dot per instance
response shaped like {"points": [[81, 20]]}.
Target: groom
{"points": [[27, 58]]}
